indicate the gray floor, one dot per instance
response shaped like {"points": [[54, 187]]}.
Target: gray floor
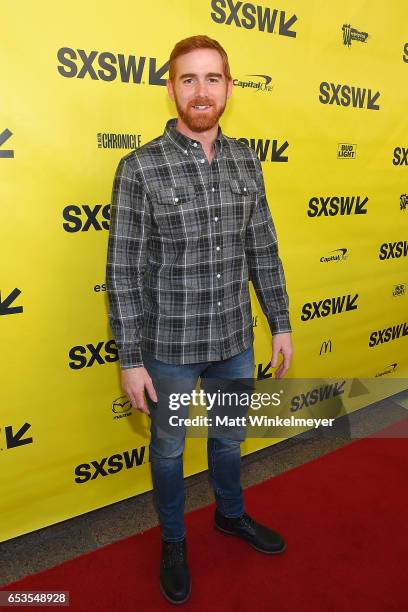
{"points": [[46, 547]]}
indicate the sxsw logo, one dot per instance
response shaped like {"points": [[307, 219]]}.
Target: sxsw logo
{"points": [[346, 150], [6, 304], [107, 66], [393, 250], [4, 136], [400, 156], [388, 334], [90, 354], [109, 465], [350, 34], [16, 437], [326, 347], [399, 290], [348, 95], [118, 141], [329, 306], [253, 16], [83, 218], [338, 255], [337, 205], [403, 201], [316, 395], [267, 150]]}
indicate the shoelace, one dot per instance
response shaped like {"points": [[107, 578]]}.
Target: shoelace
{"points": [[173, 554], [247, 521]]}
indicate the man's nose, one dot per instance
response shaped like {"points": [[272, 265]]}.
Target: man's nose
{"points": [[201, 89]]}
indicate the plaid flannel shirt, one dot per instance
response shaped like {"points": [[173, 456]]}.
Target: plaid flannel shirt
{"points": [[185, 238]]}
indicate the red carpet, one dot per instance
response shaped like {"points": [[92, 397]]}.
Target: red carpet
{"points": [[344, 516]]}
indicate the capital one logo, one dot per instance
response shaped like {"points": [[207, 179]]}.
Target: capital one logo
{"points": [[108, 66]]}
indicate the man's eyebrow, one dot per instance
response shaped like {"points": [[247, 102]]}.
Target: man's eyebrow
{"points": [[192, 74]]}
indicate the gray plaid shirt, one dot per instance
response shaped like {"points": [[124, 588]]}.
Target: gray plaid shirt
{"points": [[185, 237]]}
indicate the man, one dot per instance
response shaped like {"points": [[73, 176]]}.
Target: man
{"points": [[190, 225]]}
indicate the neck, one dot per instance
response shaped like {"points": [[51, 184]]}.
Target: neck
{"points": [[206, 138]]}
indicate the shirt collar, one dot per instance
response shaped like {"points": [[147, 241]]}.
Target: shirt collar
{"points": [[184, 142]]}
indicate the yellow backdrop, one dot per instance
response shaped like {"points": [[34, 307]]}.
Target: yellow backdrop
{"points": [[319, 91]]}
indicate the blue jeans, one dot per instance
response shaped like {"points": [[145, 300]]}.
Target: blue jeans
{"points": [[166, 452]]}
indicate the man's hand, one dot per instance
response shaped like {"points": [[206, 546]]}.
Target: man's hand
{"points": [[281, 343], [134, 381]]}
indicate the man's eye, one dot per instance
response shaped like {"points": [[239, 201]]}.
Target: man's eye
{"points": [[213, 80], [187, 80]]}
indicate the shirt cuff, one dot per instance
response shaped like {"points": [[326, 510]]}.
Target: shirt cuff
{"points": [[279, 324], [130, 356]]}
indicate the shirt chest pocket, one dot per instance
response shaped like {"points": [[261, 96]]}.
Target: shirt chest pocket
{"points": [[176, 212], [244, 193]]}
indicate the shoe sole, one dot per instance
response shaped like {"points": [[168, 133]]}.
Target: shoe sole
{"points": [[266, 552], [175, 601]]}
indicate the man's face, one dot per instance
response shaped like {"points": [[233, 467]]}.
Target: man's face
{"points": [[200, 89]]}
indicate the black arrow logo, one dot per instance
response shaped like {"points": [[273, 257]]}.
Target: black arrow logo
{"points": [[4, 305], [5, 135], [264, 372], [285, 25], [155, 76], [15, 439], [371, 100], [276, 153]]}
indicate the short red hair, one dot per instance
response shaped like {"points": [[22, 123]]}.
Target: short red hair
{"points": [[197, 42]]}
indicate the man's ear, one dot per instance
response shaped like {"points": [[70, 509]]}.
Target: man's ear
{"points": [[229, 88], [170, 89]]}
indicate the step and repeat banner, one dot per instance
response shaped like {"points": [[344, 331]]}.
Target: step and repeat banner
{"points": [[320, 93]]}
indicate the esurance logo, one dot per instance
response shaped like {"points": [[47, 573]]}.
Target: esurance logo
{"points": [[393, 250], [350, 34], [261, 84], [267, 150], [338, 255], [329, 306], [337, 205], [388, 334], [107, 66], [253, 17], [348, 95]]}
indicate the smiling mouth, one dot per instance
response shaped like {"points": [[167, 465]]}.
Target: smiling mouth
{"points": [[201, 107]]}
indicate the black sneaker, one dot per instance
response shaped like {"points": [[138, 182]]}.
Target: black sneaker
{"points": [[175, 580], [259, 537]]}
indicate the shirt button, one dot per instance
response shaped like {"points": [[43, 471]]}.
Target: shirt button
{"points": [[212, 189], [185, 151], [176, 199], [244, 188], [194, 144], [215, 218], [219, 303], [218, 275], [202, 161], [218, 248]]}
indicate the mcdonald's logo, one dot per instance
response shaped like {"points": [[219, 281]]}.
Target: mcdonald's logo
{"points": [[326, 347]]}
